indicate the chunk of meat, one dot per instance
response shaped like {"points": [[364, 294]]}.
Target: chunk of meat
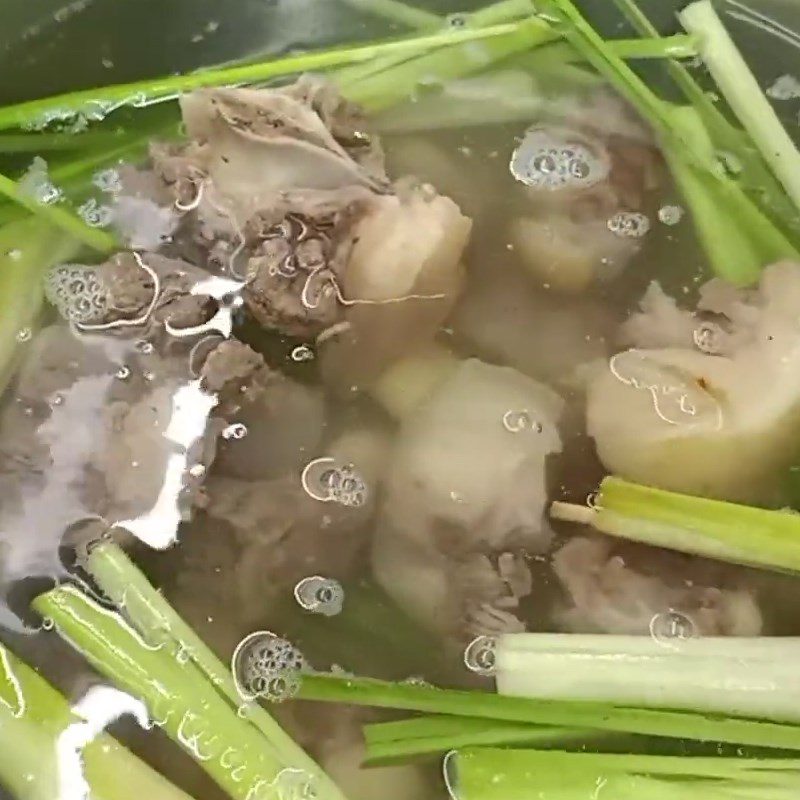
{"points": [[467, 482], [613, 588]]}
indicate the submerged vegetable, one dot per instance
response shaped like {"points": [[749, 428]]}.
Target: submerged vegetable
{"points": [[710, 405]]}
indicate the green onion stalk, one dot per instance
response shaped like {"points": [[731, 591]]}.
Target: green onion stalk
{"points": [[181, 700], [493, 774], [554, 713], [735, 228], [699, 526], [736, 676], [33, 719]]}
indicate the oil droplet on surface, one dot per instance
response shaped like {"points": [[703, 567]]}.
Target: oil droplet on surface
{"points": [[672, 627], [629, 224]]}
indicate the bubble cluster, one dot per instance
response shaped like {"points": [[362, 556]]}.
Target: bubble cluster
{"points": [[707, 338], [556, 159], [267, 666], [519, 421], [672, 627], [320, 595], [36, 184], [96, 215], [480, 655], [235, 431], [77, 292], [108, 181], [323, 480], [629, 224], [670, 215]]}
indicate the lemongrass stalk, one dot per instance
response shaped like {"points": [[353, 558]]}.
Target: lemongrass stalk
{"points": [[349, 79], [712, 528], [61, 218], [384, 89], [43, 142], [753, 175], [128, 588], [101, 101], [729, 676], [493, 774], [554, 713], [33, 715], [743, 94], [181, 701], [27, 249], [392, 742], [686, 152], [512, 94]]}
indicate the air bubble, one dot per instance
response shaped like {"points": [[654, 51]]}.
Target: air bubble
{"points": [[629, 224], [108, 181], [197, 470], [96, 215], [320, 595], [670, 215], [519, 421], [48, 624], [235, 431], [295, 784], [15, 254], [77, 292], [480, 655], [24, 335], [265, 665], [149, 376], [123, 373], [324, 481], [707, 338], [144, 347], [457, 20], [558, 158], [672, 627], [302, 353]]}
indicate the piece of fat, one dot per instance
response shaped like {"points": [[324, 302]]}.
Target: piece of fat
{"points": [[719, 425], [570, 256], [409, 380], [402, 280], [473, 456]]}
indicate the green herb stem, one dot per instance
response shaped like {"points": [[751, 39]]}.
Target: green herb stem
{"points": [[99, 102], [494, 774], [392, 742], [553, 713], [743, 94], [59, 217], [179, 698], [128, 588], [32, 717], [697, 525]]}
